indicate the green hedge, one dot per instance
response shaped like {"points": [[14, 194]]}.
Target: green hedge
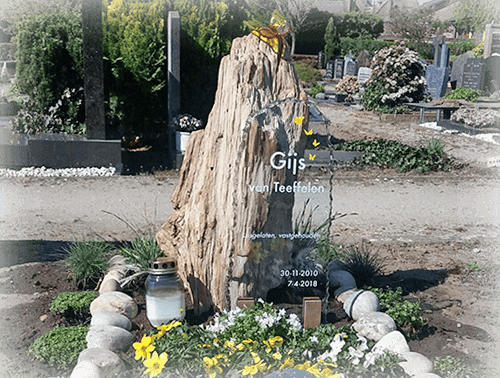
{"points": [[50, 70], [358, 45]]}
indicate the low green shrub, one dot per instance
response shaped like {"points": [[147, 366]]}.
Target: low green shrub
{"points": [[87, 259], [356, 45], [317, 89], [426, 157], [451, 367], [78, 302], [363, 264], [142, 250], [464, 94], [402, 311], [61, 346], [461, 47], [307, 73]]}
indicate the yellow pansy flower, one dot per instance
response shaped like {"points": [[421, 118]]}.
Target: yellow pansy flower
{"points": [[249, 370], [287, 364], [155, 364], [277, 356], [211, 366], [143, 348]]}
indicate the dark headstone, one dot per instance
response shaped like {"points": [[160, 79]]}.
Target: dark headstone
{"points": [[444, 61], [351, 68], [290, 373], [473, 74], [339, 68], [437, 80], [457, 70], [329, 69], [93, 69], [436, 47], [321, 60], [364, 59]]}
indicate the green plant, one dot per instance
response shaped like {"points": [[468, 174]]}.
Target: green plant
{"points": [[363, 264], [360, 25], [258, 340], [473, 267], [402, 311], [397, 78], [61, 346], [461, 47], [50, 71], [307, 73], [357, 45], [332, 39], [386, 109], [464, 93], [75, 305], [478, 50], [317, 89], [87, 259], [424, 158], [450, 367]]}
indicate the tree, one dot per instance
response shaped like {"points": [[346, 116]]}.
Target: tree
{"points": [[473, 15], [360, 25], [14, 11], [332, 39], [294, 11]]}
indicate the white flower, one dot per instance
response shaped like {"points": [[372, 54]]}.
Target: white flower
{"points": [[260, 300], [314, 339], [336, 347], [294, 321]]}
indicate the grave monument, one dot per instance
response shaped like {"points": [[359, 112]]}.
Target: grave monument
{"points": [[93, 69], [236, 185], [438, 73]]}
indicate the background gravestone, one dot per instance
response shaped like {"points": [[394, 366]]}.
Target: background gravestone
{"points": [[339, 69], [351, 68], [364, 74], [253, 117], [93, 69], [457, 70], [364, 59], [491, 40], [329, 70], [492, 73], [473, 74], [437, 76], [321, 60]]}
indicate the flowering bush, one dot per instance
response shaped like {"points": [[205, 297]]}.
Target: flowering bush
{"points": [[475, 117], [256, 341], [187, 123], [397, 77]]}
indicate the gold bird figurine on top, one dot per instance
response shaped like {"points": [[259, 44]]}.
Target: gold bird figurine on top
{"points": [[274, 35]]}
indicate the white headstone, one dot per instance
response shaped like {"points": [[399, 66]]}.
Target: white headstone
{"points": [[364, 74]]}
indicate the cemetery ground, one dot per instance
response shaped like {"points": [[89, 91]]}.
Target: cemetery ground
{"points": [[446, 223]]}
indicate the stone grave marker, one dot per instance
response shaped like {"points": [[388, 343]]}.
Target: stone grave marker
{"points": [[329, 70], [473, 74], [492, 73], [351, 68], [234, 202], [437, 44], [339, 69], [457, 70], [491, 40], [321, 60], [364, 59], [364, 74], [93, 71], [174, 65], [437, 75]]}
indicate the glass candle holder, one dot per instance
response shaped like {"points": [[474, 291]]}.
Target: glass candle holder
{"points": [[164, 292]]}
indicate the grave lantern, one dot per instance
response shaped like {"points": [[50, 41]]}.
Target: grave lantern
{"points": [[164, 292]]}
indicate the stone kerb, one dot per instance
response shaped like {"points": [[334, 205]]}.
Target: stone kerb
{"points": [[110, 327]]}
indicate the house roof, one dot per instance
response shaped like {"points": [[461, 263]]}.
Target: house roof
{"points": [[335, 7], [446, 14]]}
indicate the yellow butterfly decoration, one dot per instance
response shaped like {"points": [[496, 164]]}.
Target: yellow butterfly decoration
{"points": [[308, 132], [274, 35], [298, 120], [315, 143], [312, 157]]}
